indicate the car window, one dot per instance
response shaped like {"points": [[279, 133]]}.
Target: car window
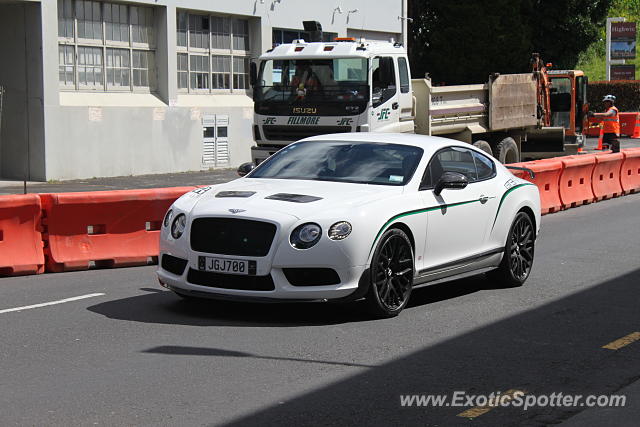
{"points": [[343, 161], [459, 160], [453, 159], [484, 166], [404, 75]]}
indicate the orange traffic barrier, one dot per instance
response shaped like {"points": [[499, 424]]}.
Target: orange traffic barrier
{"points": [[630, 124], [547, 176], [630, 172], [104, 228], [605, 181], [575, 180], [20, 238]]}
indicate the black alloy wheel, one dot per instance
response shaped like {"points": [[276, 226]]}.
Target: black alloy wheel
{"points": [[392, 270], [521, 248], [518, 255]]}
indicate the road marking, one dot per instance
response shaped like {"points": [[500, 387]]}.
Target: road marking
{"points": [[45, 304], [622, 342], [505, 397]]}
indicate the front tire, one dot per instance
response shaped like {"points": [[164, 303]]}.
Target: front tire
{"points": [[392, 269], [517, 260]]}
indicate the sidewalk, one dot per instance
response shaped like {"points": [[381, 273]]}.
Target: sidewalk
{"points": [[171, 179], [122, 182]]}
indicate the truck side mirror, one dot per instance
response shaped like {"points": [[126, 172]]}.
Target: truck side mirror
{"points": [[253, 73]]}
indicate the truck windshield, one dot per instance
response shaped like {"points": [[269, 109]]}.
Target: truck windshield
{"points": [[336, 79], [342, 161], [560, 99]]}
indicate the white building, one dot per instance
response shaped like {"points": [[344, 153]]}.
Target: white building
{"points": [[104, 88]]}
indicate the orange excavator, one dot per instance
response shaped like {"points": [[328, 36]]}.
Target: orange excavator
{"points": [[562, 99]]}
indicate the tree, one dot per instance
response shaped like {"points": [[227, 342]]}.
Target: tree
{"points": [[465, 41]]}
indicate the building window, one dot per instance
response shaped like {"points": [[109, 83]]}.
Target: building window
{"points": [[89, 17], [213, 52], [65, 19], [118, 68], [143, 61], [112, 48], [220, 71], [199, 66], [240, 34], [116, 17], [89, 66], [142, 25], [220, 32], [241, 73], [183, 71], [66, 58]]}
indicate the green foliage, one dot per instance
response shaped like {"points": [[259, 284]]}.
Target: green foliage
{"points": [[463, 42], [627, 94], [593, 60]]}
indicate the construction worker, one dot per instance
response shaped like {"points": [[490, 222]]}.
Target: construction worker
{"points": [[611, 123]]}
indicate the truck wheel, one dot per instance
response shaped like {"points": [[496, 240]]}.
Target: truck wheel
{"points": [[484, 146], [508, 151]]}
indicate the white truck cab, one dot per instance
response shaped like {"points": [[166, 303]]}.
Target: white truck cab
{"points": [[313, 88]]}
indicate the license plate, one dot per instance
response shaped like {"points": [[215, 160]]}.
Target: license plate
{"points": [[227, 265]]}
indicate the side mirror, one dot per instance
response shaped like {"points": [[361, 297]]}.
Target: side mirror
{"points": [[245, 168], [253, 74], [450, 180]]}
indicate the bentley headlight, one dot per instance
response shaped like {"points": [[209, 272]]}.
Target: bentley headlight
{"points": [[178, 226], [168, 217], [305, 236], [339, 230]]}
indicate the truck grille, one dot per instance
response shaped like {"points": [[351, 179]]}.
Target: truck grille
{"points": [[230, 236], [294, 133]]}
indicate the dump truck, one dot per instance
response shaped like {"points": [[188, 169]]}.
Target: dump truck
{"points": [[311, 88]]}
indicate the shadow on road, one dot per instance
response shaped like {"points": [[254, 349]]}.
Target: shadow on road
{"points": [[160, 306], [553, 348], [177, 350]]}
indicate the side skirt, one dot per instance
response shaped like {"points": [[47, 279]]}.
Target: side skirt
{"points": [[486, 260]]}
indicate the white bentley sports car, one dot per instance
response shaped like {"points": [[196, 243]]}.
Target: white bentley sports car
{"points": [[349, 216]]}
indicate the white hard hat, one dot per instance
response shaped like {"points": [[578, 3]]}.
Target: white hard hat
{"points": [[609, 98]]}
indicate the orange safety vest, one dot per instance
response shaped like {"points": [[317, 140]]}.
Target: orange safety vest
{"points": [[612, 124]]}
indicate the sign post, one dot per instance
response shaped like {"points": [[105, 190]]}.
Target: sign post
{"points": [[621, 45]]}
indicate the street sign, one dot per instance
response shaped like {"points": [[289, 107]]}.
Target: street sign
{"points": [[623, 40], [623, 72]]}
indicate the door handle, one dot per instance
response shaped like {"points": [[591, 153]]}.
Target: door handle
{"points": [[395, 105], [484, 199]]}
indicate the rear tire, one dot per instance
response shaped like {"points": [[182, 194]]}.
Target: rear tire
{"points": [[484, 146], [517, 260], [392, 269], [507, 151]]}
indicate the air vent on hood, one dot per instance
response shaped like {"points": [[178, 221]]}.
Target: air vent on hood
{"points": [[296, 198], [235, 194]]}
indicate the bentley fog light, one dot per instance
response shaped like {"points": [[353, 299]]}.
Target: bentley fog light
{"points": [[305, 236], [167, 218], [339, 230], [178, 226]]}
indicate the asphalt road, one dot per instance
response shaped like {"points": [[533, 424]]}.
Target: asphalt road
{"points": [[138, 355]]}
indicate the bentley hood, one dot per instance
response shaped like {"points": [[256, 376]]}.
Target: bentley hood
{"points": [[301, 199]]}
